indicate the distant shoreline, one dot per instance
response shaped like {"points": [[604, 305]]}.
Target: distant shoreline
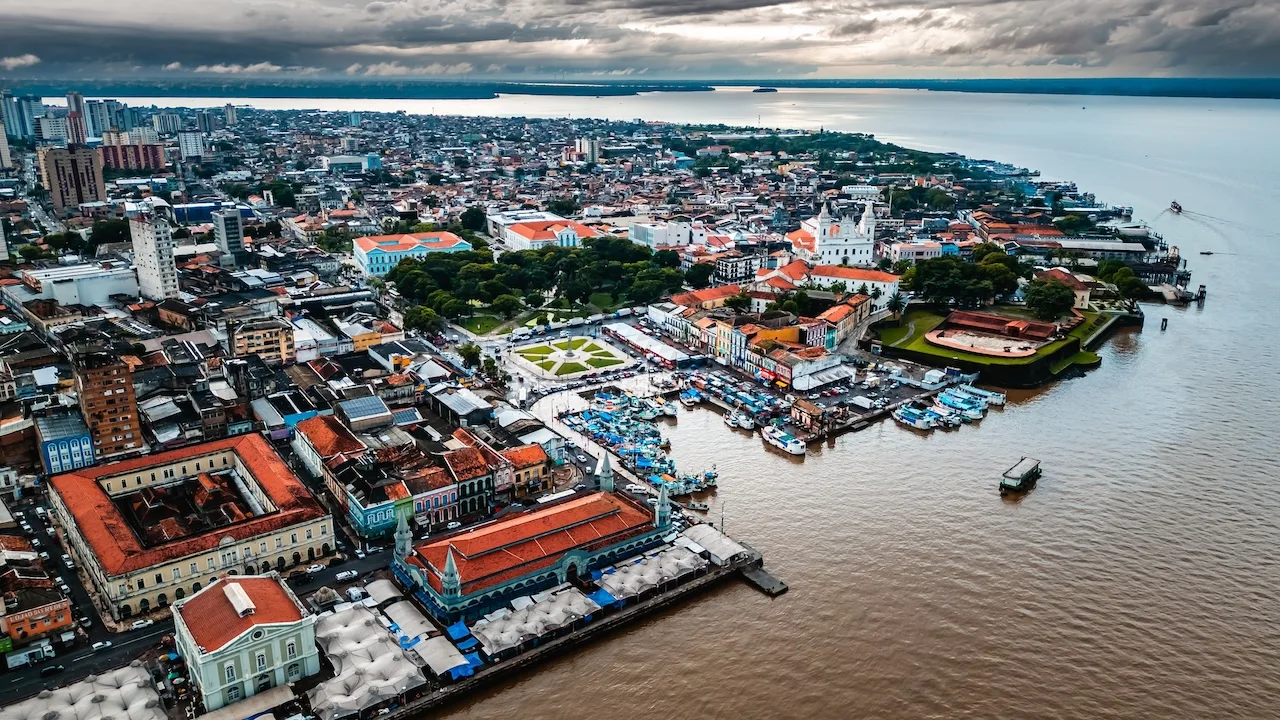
{"points": [[1218, 88]]}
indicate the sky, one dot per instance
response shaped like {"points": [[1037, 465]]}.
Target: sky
{"points": [[638, 39]]}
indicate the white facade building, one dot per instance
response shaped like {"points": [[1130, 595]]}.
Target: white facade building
{"points": [[228, 233], [667, 234], [153, 257], [191, 144], [831, 240], [84, 284]]}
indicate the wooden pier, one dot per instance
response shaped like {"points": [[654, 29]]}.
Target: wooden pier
{"points": [[763, 581]]}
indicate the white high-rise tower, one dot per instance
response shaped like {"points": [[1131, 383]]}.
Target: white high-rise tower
{"points": [[153, 256], [228, 233]]}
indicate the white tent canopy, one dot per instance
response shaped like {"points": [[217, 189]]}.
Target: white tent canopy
{"points": [[408, 618], [557, 611], [634, 578], [125, 693], [721, 546], [382, 590], [368, 666], [439, 654]]}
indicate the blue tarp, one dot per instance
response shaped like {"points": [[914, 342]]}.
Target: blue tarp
{"points": [[458, 630], [474, 660], [602, 598], [467, 643]]}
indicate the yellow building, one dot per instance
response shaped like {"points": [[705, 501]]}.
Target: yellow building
{"points": [[154, 529], [269, 338]]}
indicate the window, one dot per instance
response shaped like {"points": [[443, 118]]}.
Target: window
{"points": [[121, 589], [279, 542], [291, 650], [262, 547], [153, 477], [233, 693], [211, 563], [141, 583], [293, 538], [177, 573], [308, 533], [262, 662], [159, 578], [324, 530], [230, 671], [194, 568]]}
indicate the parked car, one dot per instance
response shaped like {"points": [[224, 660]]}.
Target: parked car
{"points": [[51, 670], [101, 645], [453, 525], [313, 569], [139, 624], [85, 621], [346, 575]]}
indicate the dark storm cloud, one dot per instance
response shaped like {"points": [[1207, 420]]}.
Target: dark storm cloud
{"points": [[692, 38]]}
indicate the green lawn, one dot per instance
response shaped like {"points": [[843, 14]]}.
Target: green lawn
{"points": [[546, 364], [570, 368], [481, 324], [605, 302], [602, 353], [599, 362], [571, 343], [535, 350], [921, 322]]}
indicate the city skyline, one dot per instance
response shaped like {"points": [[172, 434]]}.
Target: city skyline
{"points": [[649, 39]]}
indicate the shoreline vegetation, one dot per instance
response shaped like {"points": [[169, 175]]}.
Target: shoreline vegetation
{"points": [[410, 89]]}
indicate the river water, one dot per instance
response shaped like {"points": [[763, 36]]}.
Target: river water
{"points": [[1139, 580]]}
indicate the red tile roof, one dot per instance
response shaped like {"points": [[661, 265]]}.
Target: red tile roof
{"points": [[214, 622], [329, 436], [547, 229], [117, 547], [525, 455], [498, 551], [698, 297], [399, 243], [851, 273]]}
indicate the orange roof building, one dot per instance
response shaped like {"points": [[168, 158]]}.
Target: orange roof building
{"points": [[468, 574], [155, 529], [378, 254], [545, 233], [254, 622]]}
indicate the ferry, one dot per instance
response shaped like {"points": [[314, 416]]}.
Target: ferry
{"points": [[780, 439], [1175, 207], [1021, 477], [913, 418], [699, 506], [765, 90], [941, 418], [950, 412], [994, 398], [964, 407], [978, 402]]}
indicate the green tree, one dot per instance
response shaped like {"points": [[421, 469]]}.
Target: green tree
{"points": [[840, 287], [423, 319], [699, 275], [667, 258], [897, 303], [30, 252], [564, 207], [470, 354], [1049, 299], [738, 303], [474, 219], [507, 305]]}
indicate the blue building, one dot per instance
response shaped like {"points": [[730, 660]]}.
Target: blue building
{"points": [[65, 443]]}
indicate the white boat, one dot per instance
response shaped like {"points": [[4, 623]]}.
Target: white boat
{"points": [[978, 401], [731, 419], [746, 422], [913, 418], [669, 409], [780, 439], [994, 398]]}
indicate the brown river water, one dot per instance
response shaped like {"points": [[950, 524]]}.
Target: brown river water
{"points": [[1139, 580]]}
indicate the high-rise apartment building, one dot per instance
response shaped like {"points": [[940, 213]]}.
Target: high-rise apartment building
{"points": [[6, 160], [353, 119], [104, 385], [103, 115], [153, 256], [51, 129], [77, 133], [4, 244], [167, 123], [589, 147], [191, 144], [25, 111], [75, 103], [138, 156], [72, 176], [230, 111], [141, 135], [228, 233], [205, 122]]}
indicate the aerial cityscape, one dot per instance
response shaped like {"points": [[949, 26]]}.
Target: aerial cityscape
{"points": [[412, 388]]}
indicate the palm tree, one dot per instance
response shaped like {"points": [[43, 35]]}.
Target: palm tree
{"points": [[876, 292], [896, 304]]}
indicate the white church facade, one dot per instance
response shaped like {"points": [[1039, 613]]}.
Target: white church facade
{"points": [[826, 240]]}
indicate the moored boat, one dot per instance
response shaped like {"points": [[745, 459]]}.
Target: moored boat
{"points": [[695, 505], [1021, 477], [731, 419], [782, 440], [992, 397], [913, 418], [746, 422]]}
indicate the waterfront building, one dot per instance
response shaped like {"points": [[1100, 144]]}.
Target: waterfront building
{"points": [[152, 530], [153, 256], [72, 176], [827, 239], [376, 255], [64, 441], [104, 387], [471, 573], [243, 635]]}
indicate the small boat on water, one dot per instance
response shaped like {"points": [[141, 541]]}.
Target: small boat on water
{"points": [[1021, 477], [913, 418], [690, 398], [669, 409], [1175, 207], [695, 505], [731, 419], [710, 478], [1206, 252], [782, 440], [746, 422], [993, 398], [765, 90], [965, 407]]}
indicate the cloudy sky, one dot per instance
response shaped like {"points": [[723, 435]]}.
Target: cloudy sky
{"points": [[639, 39]]}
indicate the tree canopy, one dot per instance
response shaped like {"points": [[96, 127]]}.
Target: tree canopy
{"points": [[1049, 299]]}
